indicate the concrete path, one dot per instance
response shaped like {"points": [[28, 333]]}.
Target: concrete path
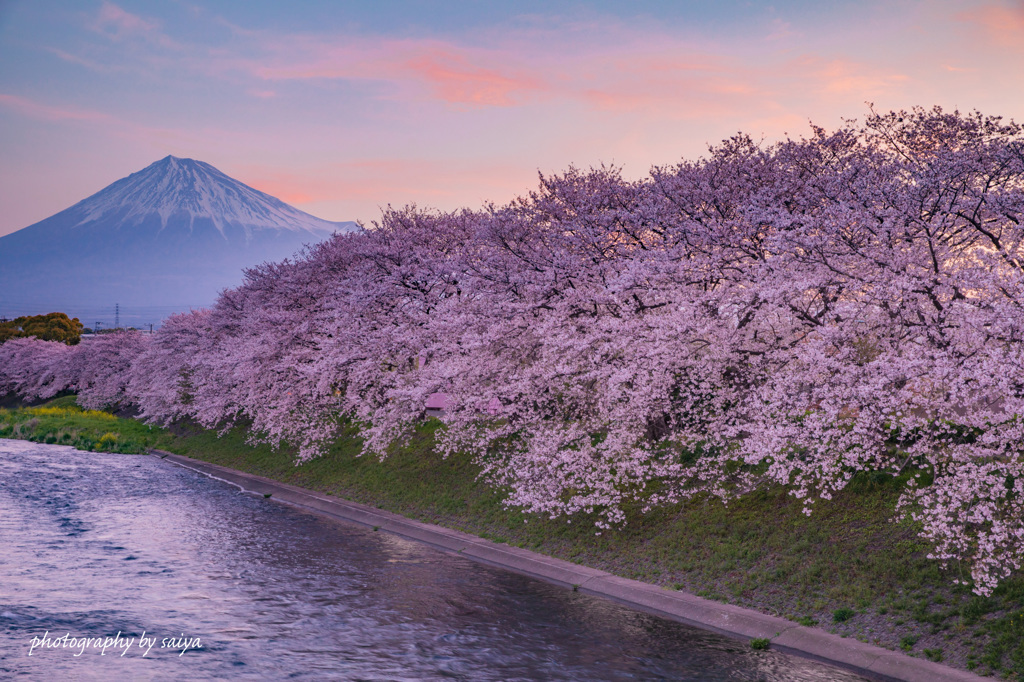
{"points": [[786, 636]]}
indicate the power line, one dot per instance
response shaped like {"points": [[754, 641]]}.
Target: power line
{"points": [[136, 317]]}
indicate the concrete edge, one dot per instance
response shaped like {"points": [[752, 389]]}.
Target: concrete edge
{"points": [[734, 621]]}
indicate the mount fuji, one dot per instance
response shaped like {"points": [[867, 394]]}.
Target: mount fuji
{"points": [[165, 239]]}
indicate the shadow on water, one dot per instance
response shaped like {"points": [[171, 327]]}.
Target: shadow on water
{"points": [[97, 544]]}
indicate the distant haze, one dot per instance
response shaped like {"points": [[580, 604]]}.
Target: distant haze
{"points": [[165, 239]]}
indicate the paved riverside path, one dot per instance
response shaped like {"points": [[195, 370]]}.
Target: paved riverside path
{"points": [[786, 636]]}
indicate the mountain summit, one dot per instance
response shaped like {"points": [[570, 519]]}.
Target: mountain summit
{"points": [[181, 191], [164, 239]]}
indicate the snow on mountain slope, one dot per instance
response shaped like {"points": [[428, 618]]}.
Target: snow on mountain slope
{"points": [[185, 187], [170, 236]]}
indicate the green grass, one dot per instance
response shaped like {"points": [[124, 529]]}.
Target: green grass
{"points": [[62, 422], [848, 567], [842, 615]]}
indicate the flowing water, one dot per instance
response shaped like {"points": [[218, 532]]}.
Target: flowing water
{"points": [[92, 545]]}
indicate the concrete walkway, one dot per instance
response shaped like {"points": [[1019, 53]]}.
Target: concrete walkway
{"points": [[871, 661]]}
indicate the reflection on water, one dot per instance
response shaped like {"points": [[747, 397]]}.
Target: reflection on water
{"points": [[95, 544]]}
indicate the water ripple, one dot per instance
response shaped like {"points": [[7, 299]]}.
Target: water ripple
{"points": [[97, 544]]}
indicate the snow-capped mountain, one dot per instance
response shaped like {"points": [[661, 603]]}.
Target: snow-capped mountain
{"points": [[164, 239], [174, 188]]}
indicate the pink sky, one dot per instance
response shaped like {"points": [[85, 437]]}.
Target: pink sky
{"points": [[341, 115]]}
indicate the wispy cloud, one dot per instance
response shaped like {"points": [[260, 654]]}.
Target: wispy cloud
{"points": [[119, 24], [844, 76], [457, 80], [46, 112], [115, 21], [1001, 23], [91, 64], [651, 74], [455, 115], [116, 126], [603, 65]]}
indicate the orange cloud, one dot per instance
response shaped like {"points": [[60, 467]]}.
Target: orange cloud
{"points": [[651, 76], [1004, 25], [845, 76], [460, 82], [454, 74], [675, 83]]}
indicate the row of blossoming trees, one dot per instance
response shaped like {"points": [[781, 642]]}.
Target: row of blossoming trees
{"points": [[785, 315]]}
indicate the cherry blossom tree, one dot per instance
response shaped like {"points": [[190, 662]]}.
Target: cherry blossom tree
{"points": [[33, 368], [790, 315]]}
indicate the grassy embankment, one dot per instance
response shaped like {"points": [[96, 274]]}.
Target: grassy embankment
{"points": [[848, 568]]}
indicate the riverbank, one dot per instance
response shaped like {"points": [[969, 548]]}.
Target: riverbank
{"points": [[848, 569], [760, 630]]}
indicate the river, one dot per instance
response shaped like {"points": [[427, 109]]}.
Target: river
{"points": [[92, 545]]}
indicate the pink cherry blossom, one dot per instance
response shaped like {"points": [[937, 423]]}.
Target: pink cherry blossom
{"points": [[769, 315]]}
